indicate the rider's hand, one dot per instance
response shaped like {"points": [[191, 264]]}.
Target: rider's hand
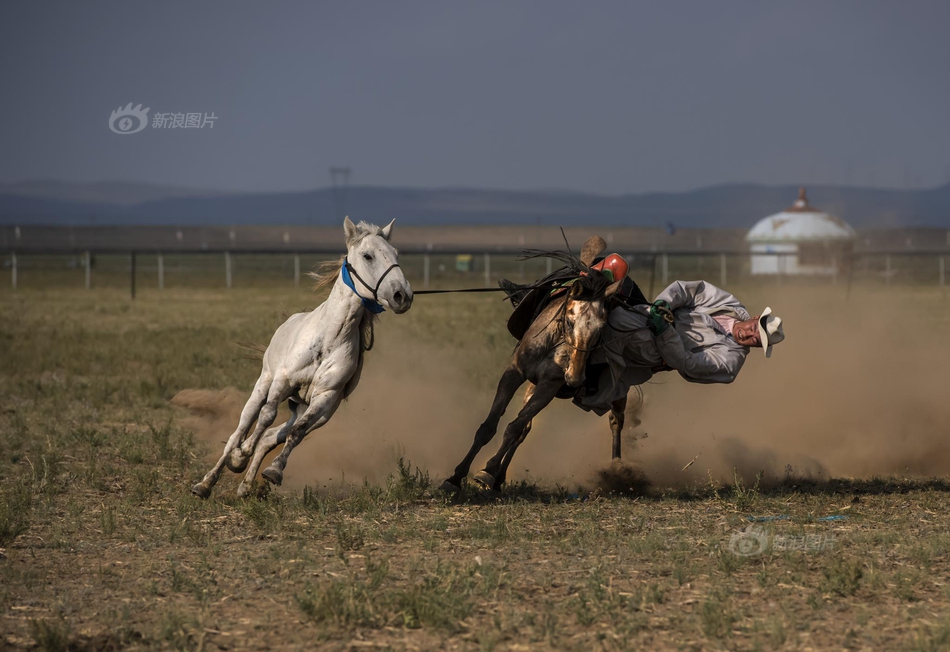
{"points": [[661, 316]]}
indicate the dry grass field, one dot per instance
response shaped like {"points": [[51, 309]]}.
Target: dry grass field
{"points": [[102, 547]]}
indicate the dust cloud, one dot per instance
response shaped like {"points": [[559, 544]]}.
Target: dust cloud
{"points": [[413, 401], [212, 413], [857, 389]]}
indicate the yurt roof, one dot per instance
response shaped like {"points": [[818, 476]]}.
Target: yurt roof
{"points": [[800, 222]]}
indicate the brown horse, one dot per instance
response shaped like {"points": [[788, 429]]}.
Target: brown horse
{"points": [[552, 353]]}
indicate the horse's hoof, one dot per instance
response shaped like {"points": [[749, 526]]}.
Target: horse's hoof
{"points": [[237, 461], [243, 489], [450, 488], [201, 490], [485, 480], [272, 475]]}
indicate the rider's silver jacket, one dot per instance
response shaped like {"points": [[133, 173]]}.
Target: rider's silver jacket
{"points": [[696, 346]]}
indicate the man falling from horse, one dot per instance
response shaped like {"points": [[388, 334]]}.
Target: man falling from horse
{"points": [[693, 327]]}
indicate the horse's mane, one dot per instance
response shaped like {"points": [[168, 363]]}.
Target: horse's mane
{"points": [[325, 273], [363, 229], [570, 261], [593, 284]]}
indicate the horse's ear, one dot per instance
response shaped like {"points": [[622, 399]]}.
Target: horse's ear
{"points": [[387, 230], [349, 229], [612, 289], [591, 248], [576, 290]]}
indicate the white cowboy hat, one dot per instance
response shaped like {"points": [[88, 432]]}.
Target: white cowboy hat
{"points": [[770, 330]]}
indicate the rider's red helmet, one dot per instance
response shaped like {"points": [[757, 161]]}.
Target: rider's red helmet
{"points": [[613, 266]]}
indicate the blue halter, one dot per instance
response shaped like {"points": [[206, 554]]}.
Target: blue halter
{"points": [[373, 305]]}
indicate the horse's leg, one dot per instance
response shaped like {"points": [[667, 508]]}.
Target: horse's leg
{"points": [[268, 442], [319, 411], [616, 424], [543, 394], [510, 381], [239, 457], [503, 472], [251, 411]]}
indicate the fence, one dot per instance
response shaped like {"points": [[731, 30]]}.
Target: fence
{"points": [[263, 268]]}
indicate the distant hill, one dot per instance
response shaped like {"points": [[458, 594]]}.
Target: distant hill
{"points": [[124, 193], [723, 206]]}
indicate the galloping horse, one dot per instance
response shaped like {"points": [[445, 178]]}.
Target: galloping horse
{"points": [[314, 359], [552, 353]]}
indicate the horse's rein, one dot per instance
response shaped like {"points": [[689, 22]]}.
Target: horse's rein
{"points": [[525, 287], [375, 290]]}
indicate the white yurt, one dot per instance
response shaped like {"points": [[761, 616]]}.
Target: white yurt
{"points": [[800, 240]]}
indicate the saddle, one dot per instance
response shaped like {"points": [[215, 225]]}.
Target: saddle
{"points": [[527, 309]]}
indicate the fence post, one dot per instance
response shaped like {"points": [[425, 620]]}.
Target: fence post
{"points": [[13, 269], [425, 270], [296, 271], [652, 274], [834, 273], [487, 269], [161, 272], [666, 269], [227, 269], [722, 270], [887, 269], [132, 273], [943, 269], [548, 267], [850, 258], [88, 270]]}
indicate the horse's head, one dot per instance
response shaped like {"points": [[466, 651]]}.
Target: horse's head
{"points": [[584, 319], [376, 265]]}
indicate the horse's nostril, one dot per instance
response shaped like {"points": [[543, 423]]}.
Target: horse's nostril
{"points": [[399, 297]]}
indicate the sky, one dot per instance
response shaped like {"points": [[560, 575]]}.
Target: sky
{"points": [[603, 97]]}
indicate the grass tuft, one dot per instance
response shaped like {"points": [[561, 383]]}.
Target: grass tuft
{"points": [[51, 635], [16, 505], [842, 577]]}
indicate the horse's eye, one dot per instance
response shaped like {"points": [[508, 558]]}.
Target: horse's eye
{"points": [[368, 256]]}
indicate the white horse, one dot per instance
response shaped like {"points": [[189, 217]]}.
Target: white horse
{"points": [[314, 359]]}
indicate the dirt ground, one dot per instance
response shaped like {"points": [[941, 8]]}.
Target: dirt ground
{"points": [[811, 513]]}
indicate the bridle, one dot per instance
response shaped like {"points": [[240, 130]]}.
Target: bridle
{"points": [[373, 305]]}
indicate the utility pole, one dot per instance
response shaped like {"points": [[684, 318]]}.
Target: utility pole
{"points": [[340, 185]]}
